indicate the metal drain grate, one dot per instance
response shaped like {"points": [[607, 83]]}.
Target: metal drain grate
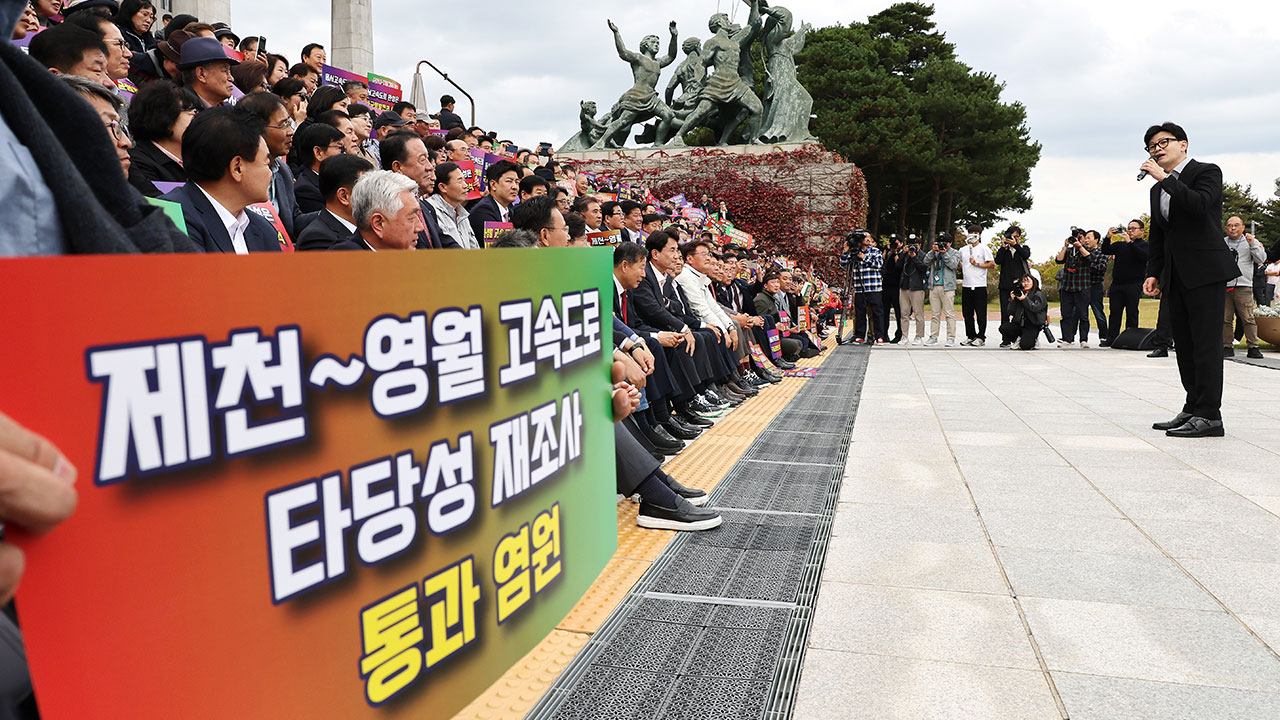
{"points": [[717, 626]]}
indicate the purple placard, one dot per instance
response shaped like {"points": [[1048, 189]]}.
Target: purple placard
{"points": [[336, 76], [167, 187]]}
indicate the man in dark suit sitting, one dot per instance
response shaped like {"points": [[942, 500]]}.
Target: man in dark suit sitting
{"points": [[503, 178], [404, 152], [385, 212], [1188, 267], [316, 144], [228, 168], [338, 176]]}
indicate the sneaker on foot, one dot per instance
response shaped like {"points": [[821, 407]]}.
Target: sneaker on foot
{"points": [[980, 342], [1006, 344], [1255, 353], [951, 342], [917, 341], [1084, 343], [683, 517], [1065, 343], [931, 341]]}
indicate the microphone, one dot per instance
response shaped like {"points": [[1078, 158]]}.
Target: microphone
{"points": [[1143, 173]]}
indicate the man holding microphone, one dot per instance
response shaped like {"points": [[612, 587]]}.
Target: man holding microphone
{"points": [[1188, 266]]}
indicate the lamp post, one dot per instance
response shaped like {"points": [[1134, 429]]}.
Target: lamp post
{"points": [[418, 94]]}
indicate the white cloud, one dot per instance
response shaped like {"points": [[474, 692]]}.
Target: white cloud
{"points": [[1093, 76]]}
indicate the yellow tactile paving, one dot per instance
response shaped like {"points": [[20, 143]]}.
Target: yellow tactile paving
{"points": [[605, 593], [518, 690], [701, 465]]}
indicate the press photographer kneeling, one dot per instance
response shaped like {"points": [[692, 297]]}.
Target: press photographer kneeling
{"points": [[1029, 308]]}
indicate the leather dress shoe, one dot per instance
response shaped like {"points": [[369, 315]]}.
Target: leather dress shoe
{"points": [[683, 516], [769, 377], [743, 388], [1178, 421], [1228, 352], [1198, 427], [697, 498], [1159, 352], [784, 364], [1255, 353], [663, 441], [679, 430]]}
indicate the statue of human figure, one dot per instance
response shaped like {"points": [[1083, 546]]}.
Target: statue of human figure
{"points": [[641, 102], [725, 89], [787, 103], [690, 76]]}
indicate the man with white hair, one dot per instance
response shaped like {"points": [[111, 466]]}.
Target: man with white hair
{"points": [[385, 212]]}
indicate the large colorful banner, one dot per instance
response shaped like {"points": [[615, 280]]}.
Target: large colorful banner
{"points": [[311, 485]]}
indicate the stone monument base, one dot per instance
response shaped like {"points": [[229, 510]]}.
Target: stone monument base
{"points": [[797, 200]]}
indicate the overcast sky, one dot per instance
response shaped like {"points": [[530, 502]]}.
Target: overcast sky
{"points": [[1092, 75]]}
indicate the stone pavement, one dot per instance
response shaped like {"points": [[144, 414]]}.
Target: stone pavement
{"points": [[1014, 541]]}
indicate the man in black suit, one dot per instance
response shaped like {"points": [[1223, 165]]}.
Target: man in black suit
{"points": [[385, 212], [448, 118], [1189, 266], [503, 178], [228, 168], [338, 177], [404, 152], [317, 143]]}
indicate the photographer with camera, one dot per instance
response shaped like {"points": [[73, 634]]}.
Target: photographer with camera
{"points": [[942, 261], [1074, 279], [867, 285], [1013, 258], [911, 287], [892, 277], [1029, 309], [1130, 269]]}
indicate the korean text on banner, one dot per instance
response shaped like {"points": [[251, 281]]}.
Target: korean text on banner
{"points": [[337, 76], [385, 498], [493, 229], [384, 92]]}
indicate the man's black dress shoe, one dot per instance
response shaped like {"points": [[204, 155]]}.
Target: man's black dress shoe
{"points": [[1178, 421], [1158, 352], [1228, 352], [1198, 427]]}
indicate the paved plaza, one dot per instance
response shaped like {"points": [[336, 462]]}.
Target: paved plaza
{"points": [[1013, 540]]}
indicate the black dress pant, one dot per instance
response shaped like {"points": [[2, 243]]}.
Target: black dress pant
{"points": [[1124, 303], [869, 308], [1195, 319], [973, 303], [1006, 305], [1024, 335], [889, 298], [1163, 337]]}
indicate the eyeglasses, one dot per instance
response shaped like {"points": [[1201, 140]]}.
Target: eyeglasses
{"points": [[1160, 144], [118, 131], [117, 42], [341, 148], [282, 126]]}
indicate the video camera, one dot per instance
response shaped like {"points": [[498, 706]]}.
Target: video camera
{"points": [[852, 244]]}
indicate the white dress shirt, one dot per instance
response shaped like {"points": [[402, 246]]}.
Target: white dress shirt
{"points": [[235, 224], [702, 299], [1164, 195], [350, 227]]}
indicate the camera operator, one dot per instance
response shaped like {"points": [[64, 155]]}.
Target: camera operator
{"points": [[892, 276], [1013, 258], [914, 277], [1130, 253], [867, 286], [1073, 288], [1030, 314], [1097, 279], [943, 261]]}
